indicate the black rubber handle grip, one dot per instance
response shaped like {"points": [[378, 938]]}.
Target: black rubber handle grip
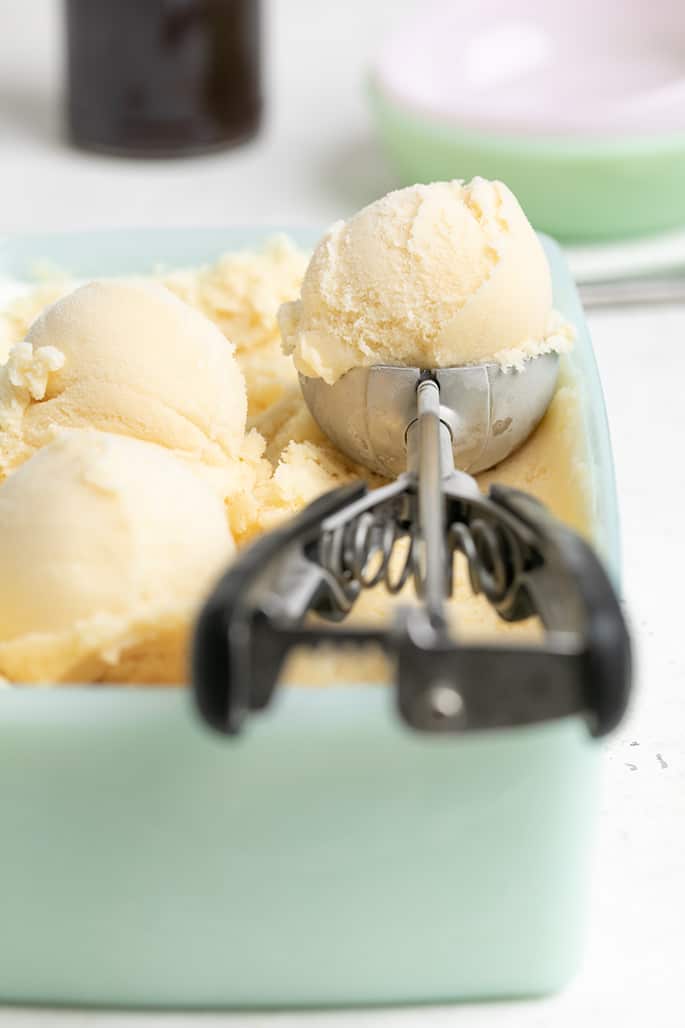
{"points": [[571, 591], [220, 693]]}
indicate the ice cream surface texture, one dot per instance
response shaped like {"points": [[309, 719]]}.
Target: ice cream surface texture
{"points": [[125, 357], [428, 276], [98, 630], [107, 546], [241, 294]]}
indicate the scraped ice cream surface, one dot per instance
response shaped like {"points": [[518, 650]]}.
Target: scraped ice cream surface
{"points": [[145, 435], [431, 276]]}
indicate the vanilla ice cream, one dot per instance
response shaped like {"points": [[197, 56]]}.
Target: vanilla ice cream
{"points": [[107, 547], [81, 599], [241, 294], [125, 357], [429, 276]]}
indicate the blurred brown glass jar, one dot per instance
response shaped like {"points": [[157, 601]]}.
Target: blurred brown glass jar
{"points": [[162, 77]]}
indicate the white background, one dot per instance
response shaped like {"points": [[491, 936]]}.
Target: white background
{"points": [[316, 161]]}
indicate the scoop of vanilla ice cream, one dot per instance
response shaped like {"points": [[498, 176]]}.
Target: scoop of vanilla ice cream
{"points": [[126, 357], [107, 547], [429, 276]]}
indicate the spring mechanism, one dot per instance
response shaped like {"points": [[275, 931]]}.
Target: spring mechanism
{"points": [[372, 548], [380, 546], [493, 556]]}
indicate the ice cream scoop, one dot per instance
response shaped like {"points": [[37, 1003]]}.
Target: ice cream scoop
{"points": [[425, 334], [522, 560], [107, 546]]}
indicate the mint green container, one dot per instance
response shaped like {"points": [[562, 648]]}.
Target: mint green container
{"points": [[328, 856], [574, 187]]}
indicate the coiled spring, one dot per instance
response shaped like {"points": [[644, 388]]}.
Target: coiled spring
{"points": [[361, 551], [493, 556], [381, 546]]}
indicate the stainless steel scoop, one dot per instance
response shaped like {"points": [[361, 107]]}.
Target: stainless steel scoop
{"points": [[416, 425], [489, 412]]}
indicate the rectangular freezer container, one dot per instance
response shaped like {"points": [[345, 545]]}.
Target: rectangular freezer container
{"points": [[329, 855]]}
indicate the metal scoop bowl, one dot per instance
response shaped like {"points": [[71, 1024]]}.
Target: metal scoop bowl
{"points": [[489, 411]]}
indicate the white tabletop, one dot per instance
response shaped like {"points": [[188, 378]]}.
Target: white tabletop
{"points": [[315, 161]]}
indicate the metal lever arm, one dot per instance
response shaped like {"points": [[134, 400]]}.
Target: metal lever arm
{"points": [[230, 676], [568, 588]]}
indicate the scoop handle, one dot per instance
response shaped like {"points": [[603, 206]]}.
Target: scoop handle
{"points": [[431, 503], [519, 555]]}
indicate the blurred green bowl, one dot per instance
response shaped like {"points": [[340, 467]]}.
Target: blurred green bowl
{"points": [[575, 188]]}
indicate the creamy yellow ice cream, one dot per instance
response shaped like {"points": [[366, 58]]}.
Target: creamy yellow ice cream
{"points": [[126, 357], [240, 295], [21, 310], [129, 357], [429, 276], [107, 545]]}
